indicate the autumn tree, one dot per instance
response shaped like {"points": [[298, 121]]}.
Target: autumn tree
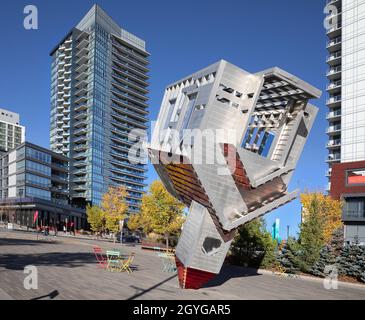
{"points": [[114, 208], [160, 213], [329, 211], [95, 217]]}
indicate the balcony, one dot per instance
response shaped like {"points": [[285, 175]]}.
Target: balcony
{"points": [[333, 157], [126, 50], [334, 115], [80, 115], [80, 164], [334, 45], [129, 82], [82, 99], [334, 101], [81, 107], [81, 147], [334, 87], [81, 139], [82, 44], [80, 172], [335, 31], [334, 129], [328, 172], [126, 88], [80, 123], [334, 73], [334, 58], [334, 144], [80, 131], [81, 155]]}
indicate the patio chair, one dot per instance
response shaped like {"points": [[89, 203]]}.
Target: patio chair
{"points": [[100, 258], [168, 262], [113, 260], [126, 264]]}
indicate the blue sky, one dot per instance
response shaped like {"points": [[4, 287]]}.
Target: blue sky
{"points": [[182, 37]]}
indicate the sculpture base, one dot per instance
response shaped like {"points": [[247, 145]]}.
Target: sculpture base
{"points": [[190, 278]]}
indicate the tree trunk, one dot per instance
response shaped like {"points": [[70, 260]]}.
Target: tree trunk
{"points": [[167, 243]]}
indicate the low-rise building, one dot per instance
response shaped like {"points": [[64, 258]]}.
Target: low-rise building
{"points": [[35, 179]]}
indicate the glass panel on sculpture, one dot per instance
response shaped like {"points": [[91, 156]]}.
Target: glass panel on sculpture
{"points": [[211, 246], [356, 176]]}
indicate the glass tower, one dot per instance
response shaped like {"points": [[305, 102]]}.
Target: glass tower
{"points": [[98, 95]]}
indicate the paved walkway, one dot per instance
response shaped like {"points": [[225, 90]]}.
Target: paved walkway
{"points": [[67, 270]]}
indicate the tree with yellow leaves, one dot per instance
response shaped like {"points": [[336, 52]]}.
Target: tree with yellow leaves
{"points": [[115, 208], [160, 213], [328, 210]]}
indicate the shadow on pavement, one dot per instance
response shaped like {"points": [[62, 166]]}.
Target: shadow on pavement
{"points": [[228, 272], [61, 259], [25, 242], [142, 291]]}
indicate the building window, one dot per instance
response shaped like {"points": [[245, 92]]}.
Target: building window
{"points": [[355, 177], [354, 207]]}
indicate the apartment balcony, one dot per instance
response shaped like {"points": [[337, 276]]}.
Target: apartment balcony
{"points": [[334, 73], [334, 157], [334, 144], [80, 172], [328, 172], [128, 97], [334, 115], [82, 99], [130, 69], [332, 130], [81, 155], [82, 68], [334, 58], [334, 101], [79, 180], [335, 31], [130, 83], [81, 123], [81, 107], [80, 187], [334, 87], [80, 164], [80, 131], [81, 92], [334, 45], [80, 115], [127, 105], [82, 44], [127, 89], [82, 76], [80, 147], [329, 2], [119, 156], [81, 139], [134, 77], [121, 179], [130, 168], [130, 52], [129, 61], [122, 112]]}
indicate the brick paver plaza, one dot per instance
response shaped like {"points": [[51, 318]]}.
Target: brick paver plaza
{"points": [[68, 266]]}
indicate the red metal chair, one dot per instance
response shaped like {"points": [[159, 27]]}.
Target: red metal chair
{"points": [[100, 258]]}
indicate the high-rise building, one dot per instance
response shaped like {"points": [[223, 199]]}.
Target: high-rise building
{"points": [[12, 133], [98, 95], [346, 103]]}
